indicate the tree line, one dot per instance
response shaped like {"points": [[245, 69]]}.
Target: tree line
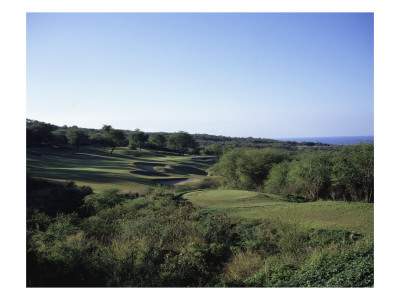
{"points": [[40, 134], [340, 173]]}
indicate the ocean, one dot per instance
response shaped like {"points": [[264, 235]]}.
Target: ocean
{"points": [[334, 140]]}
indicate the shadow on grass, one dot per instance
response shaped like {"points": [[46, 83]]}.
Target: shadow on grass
{"points": [[148, 173], [185, 170]]}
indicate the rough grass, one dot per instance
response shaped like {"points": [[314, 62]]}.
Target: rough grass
{"points": [[124, 169], [253, 206]]}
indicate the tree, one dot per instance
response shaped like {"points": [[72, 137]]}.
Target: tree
{"points": [[60, 136], [97, 138], [277, 179], [363, 161], [248, 168], [39, 132], [214, 149], [115, 137], [181, 141], [227, 167], [311, 171], [353, 172], [158, 140], [137, 138], [76, 137]]}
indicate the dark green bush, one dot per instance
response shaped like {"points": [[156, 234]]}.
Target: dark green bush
{"points": [[319, 238], [52, 198], [37, 220], [159, 240], [258, 238], [353, 269], [106, 199]]}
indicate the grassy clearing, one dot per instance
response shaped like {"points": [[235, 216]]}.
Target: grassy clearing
{"points": [[127, 170], [253, 206]]}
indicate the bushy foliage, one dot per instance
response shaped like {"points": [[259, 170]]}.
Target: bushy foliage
{"points": [[52, 198], [353, 173], [247, 168], [137, 139], [311, 172], [158, 141], [181, 142], [39, 132], [343, 173], [243, 265], [159, 240], [277, 181], [76, 137], [114, 137], [96, 202], [353, 269]]}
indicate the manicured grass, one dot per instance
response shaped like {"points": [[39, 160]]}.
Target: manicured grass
{"points": [[124, 169], [227, 199], [136, 171], [252, 206]]}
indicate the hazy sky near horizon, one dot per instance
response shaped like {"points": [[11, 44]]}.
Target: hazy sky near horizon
{"points": [[266, 75]]}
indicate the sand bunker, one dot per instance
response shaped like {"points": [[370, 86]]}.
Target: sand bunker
{"points": [[176, 181]]}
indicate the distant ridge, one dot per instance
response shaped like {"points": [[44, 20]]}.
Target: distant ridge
{"points": [[334, 140]]}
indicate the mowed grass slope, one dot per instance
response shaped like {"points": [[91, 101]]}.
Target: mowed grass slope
{"points": [[253, 206], [127, 170], [136, 171]]}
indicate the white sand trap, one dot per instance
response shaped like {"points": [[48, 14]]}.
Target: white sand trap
{"points": [[176, 181]]}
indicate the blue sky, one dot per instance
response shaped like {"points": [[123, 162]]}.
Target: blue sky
{"points": [[258, 74]]}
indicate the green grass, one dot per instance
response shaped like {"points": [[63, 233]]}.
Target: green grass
{"points": [[123, 169], [135, 171], [228, 199], [253, 206]]}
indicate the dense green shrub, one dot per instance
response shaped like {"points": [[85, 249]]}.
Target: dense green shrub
{"points": [[247, 168], [37, 220], [160, 240], [52, 198], [96, 202], [341, 173], [260, 238], [320, 238], [353, 269], [353, 173]]}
